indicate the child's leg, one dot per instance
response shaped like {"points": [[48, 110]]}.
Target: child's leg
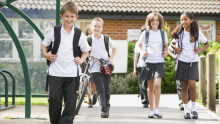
{"points": [[193, 93], [157, 88], [151, 93], [55, 98], [98, 80], [70, 97], [107, 80], [94, 88], [90, 90], [184, 91]]}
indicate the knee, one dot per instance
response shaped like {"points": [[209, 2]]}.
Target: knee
{"points": [[54, 100], [157, 86], [150, 89]]}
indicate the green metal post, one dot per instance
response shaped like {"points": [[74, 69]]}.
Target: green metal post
{"points": [[27, 19], [24, 65], [6, 88], [58, 12], [13, 86]]}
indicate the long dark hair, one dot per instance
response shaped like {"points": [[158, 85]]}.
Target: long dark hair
{"points": [[194, 31]]}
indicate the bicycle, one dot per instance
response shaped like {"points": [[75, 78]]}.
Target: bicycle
{"points": [[83, 86]]}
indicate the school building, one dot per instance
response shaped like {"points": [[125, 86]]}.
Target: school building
{"points": [[118, 15]]}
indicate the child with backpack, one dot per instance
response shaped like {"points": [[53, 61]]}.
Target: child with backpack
{"points": [[138, 65], [187, 36], [100, 49], [67, 43], [155, 41]]}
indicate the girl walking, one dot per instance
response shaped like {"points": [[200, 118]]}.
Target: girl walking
{"points": [[155, 41], [187, 36]]}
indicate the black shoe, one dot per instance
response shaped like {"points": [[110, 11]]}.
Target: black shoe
{"points": [[181, 106], [104, 115], [90, 104], [145, 106], [94, 99], [194, 115], [158, 115], [151, 116], [187, 116]]}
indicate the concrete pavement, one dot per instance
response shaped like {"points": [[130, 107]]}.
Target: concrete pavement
{"points": [[125, 109]]}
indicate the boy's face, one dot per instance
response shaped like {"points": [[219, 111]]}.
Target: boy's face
{"points": [[186, 21], [155, 22], [97, 27], [69, 18]]}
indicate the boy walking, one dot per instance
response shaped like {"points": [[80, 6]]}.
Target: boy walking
{"points": [[63, 68], [99, 51]]}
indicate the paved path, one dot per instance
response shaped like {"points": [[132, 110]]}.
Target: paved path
{"points": [[125, 109]]}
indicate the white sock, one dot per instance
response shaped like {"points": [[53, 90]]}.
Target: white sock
{"points": [[156, 111], [152, 112], [186, 108], [193, 106]]}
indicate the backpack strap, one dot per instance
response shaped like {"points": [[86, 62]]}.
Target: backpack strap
{"points": [[76, 49], [89, 40], [106, 40], [57, 36], [163, 40], [147, 33]]}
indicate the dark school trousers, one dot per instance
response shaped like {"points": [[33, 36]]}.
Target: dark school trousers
{"points": [[102, 83], [178, 87], [62, 87], [143, 88]]}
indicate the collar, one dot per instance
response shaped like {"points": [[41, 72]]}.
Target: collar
{"points": [[102, 37], [72, 31]]}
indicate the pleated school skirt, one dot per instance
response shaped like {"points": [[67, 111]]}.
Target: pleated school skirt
{"points": [[152, 70], [184, 72]]}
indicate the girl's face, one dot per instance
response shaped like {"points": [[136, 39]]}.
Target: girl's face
{"points": [[186, 21], [89, 31], [154, 22]]}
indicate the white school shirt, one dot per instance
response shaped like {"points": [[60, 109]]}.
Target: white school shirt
{"points": [[140, 60], [188, 53], [99, 51], [154, 46], [64, 65]]}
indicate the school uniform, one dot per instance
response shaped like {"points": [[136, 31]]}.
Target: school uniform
{"points": [[101, 80], [63, 77], [154, 62], [142, 83], [187, 67]]}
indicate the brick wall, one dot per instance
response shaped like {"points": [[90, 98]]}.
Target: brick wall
{"points": [[218, 31], [117, 29]]}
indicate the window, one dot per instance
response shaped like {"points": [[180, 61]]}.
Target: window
{"points": [[29, 39], [207, 28]]}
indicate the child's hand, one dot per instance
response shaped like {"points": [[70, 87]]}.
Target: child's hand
{"points": [[90, 48], [50, 56], [197, 50], [134, 72], [110, 60], [164, 54], [175, 56], [78, 60], [145, 54], [178, 50]]}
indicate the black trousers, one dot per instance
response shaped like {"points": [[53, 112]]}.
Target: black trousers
{"points": [[102, 83], [178, 87], [143, 88], [62, 87]]}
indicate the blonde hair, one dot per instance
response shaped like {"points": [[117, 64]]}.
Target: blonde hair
{"points": [[98, 19], [69, 6], [150, 18]]}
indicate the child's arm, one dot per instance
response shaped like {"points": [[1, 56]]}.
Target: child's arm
{"points": [[48, 55], [114, 50], [135, 64], [79, 60], [206, 45], [143, 54], [171, 54], [165, 51]]}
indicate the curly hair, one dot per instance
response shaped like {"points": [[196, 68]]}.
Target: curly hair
{"points": [[194, 31]]}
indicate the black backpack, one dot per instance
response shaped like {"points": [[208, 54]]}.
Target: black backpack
{"points": [[106, 40], [76, 50]]}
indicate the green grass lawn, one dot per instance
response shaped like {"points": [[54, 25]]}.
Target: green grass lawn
{"points": [[21, 101]]}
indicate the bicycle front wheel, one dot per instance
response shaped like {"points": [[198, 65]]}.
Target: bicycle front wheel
{"points": [[82, 92]]}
